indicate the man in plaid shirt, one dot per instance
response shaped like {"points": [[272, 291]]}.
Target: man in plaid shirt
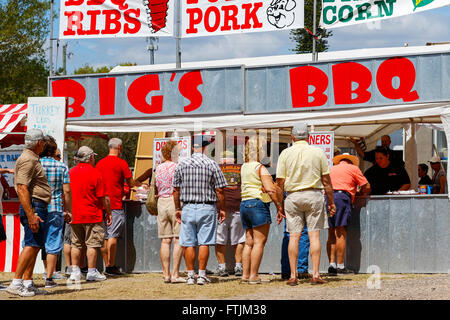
{"points": [[58, 178], [198, 182]]}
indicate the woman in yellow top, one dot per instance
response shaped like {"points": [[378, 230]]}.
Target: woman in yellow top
{"points": [[258, 190]]}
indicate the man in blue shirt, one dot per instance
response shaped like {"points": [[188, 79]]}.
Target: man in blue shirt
{"points": [[58, 178]]}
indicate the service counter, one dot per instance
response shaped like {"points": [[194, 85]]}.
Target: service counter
{"points": [[397, 233]]}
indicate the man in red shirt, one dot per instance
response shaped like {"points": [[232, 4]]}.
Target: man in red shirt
{"points": [[88, 199], [115, 172], [345, 177]]}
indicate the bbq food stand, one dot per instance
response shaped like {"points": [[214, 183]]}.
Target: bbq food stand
{"points": [[358, 93]]}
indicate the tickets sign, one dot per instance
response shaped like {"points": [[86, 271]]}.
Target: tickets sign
{"points": [[325, 141], [340, 13], [158, 144], [221, 17], [115, 18]]}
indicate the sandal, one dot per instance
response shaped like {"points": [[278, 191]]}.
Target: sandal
{"points": [[318, 281], [257, 281], [292, 282], [178, 280], [166, 279]]}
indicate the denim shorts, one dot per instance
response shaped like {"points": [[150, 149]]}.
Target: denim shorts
{"points": [[343, 210], [31, 239], [117, 226], [54, 239], [255, 213], [198, 225]]}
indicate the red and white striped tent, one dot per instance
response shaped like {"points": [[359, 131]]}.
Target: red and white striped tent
{"points": [[10, 117]]}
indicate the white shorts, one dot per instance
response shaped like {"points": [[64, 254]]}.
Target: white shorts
{"points": [[231, 228]]}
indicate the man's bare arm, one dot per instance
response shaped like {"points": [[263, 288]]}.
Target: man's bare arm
{"points": [[328, 187]]}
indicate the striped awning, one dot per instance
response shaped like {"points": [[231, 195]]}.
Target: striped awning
{"points": [[10, 116]]}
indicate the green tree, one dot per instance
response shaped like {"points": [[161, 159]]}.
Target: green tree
{"points": [[24, 28], [303, 39], [100, 143]]}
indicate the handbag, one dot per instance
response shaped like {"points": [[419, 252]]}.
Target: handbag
{"points": [[152, 201]]}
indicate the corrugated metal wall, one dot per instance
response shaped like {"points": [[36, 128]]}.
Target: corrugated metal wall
{"points": [[402, 234]]}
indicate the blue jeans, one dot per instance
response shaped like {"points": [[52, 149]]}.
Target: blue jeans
{"points": [[303, 252], [31, 239]]}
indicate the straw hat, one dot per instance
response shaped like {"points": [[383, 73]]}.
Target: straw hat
{"points": [[435, 159], [353, 159]]}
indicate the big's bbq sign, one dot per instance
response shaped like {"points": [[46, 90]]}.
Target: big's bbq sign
{"points": [[268, 89]]}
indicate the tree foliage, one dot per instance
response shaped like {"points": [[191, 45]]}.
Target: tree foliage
{"points": [[98, 144], [303, 39], [24, 28]]}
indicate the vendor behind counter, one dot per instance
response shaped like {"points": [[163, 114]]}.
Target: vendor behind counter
{"points": [[385, 176]]}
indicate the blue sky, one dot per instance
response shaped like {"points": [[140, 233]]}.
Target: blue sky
{"points": [[416, 29]]}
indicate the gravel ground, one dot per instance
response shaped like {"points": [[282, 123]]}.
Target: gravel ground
{"points": [[150, 286]]}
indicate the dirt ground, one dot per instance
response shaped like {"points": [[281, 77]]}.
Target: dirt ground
{"points": [[150, 286]]}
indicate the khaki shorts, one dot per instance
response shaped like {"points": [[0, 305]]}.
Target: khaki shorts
{"points": [[91, 235], [305, 207], [168, 227]]}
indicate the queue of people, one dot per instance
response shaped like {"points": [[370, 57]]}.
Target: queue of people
{"points": [[200, 204]]}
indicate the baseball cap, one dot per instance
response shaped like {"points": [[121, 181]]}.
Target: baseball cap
{"points": [[201, 141], [435, 159], [34, 135], [300, 130], [85, 151]]}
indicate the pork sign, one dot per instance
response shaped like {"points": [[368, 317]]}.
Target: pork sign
{"points": [[220, 17], [268, 89]]}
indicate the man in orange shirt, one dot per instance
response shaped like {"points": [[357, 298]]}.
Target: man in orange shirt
{"points": [[345, 177]]}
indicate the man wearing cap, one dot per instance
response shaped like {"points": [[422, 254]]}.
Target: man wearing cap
{"points": [[198, 182], [346, 177], [115, 172], [88, 200], [231, 229], [302, 172], [439, 179], [35, 194]]}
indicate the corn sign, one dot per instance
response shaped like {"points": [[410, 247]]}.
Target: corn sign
{"points": [[340, 13]]}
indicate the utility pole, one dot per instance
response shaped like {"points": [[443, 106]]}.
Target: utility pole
{"points": [[314, 56], [51, 39], [64, 57], [178, 36], [152, 47]]}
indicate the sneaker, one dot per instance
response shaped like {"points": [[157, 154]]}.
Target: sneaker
{"points": [[56, 276], [36, 290], [238, 271], [285, 276], [95, 276], [344, 271], [201, 280], [2, 288], [190, 280], [332, 271], [13, 289], [113, 271], [68, 271], [26, 292], [75, 277], [221, 272], [49, 283]]}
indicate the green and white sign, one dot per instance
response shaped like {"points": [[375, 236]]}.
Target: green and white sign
{"points": [[340, 13]]}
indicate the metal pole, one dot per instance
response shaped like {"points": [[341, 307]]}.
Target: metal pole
{"points": [[64, 58], [314, 58], [51, 41], [178, 36]]}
